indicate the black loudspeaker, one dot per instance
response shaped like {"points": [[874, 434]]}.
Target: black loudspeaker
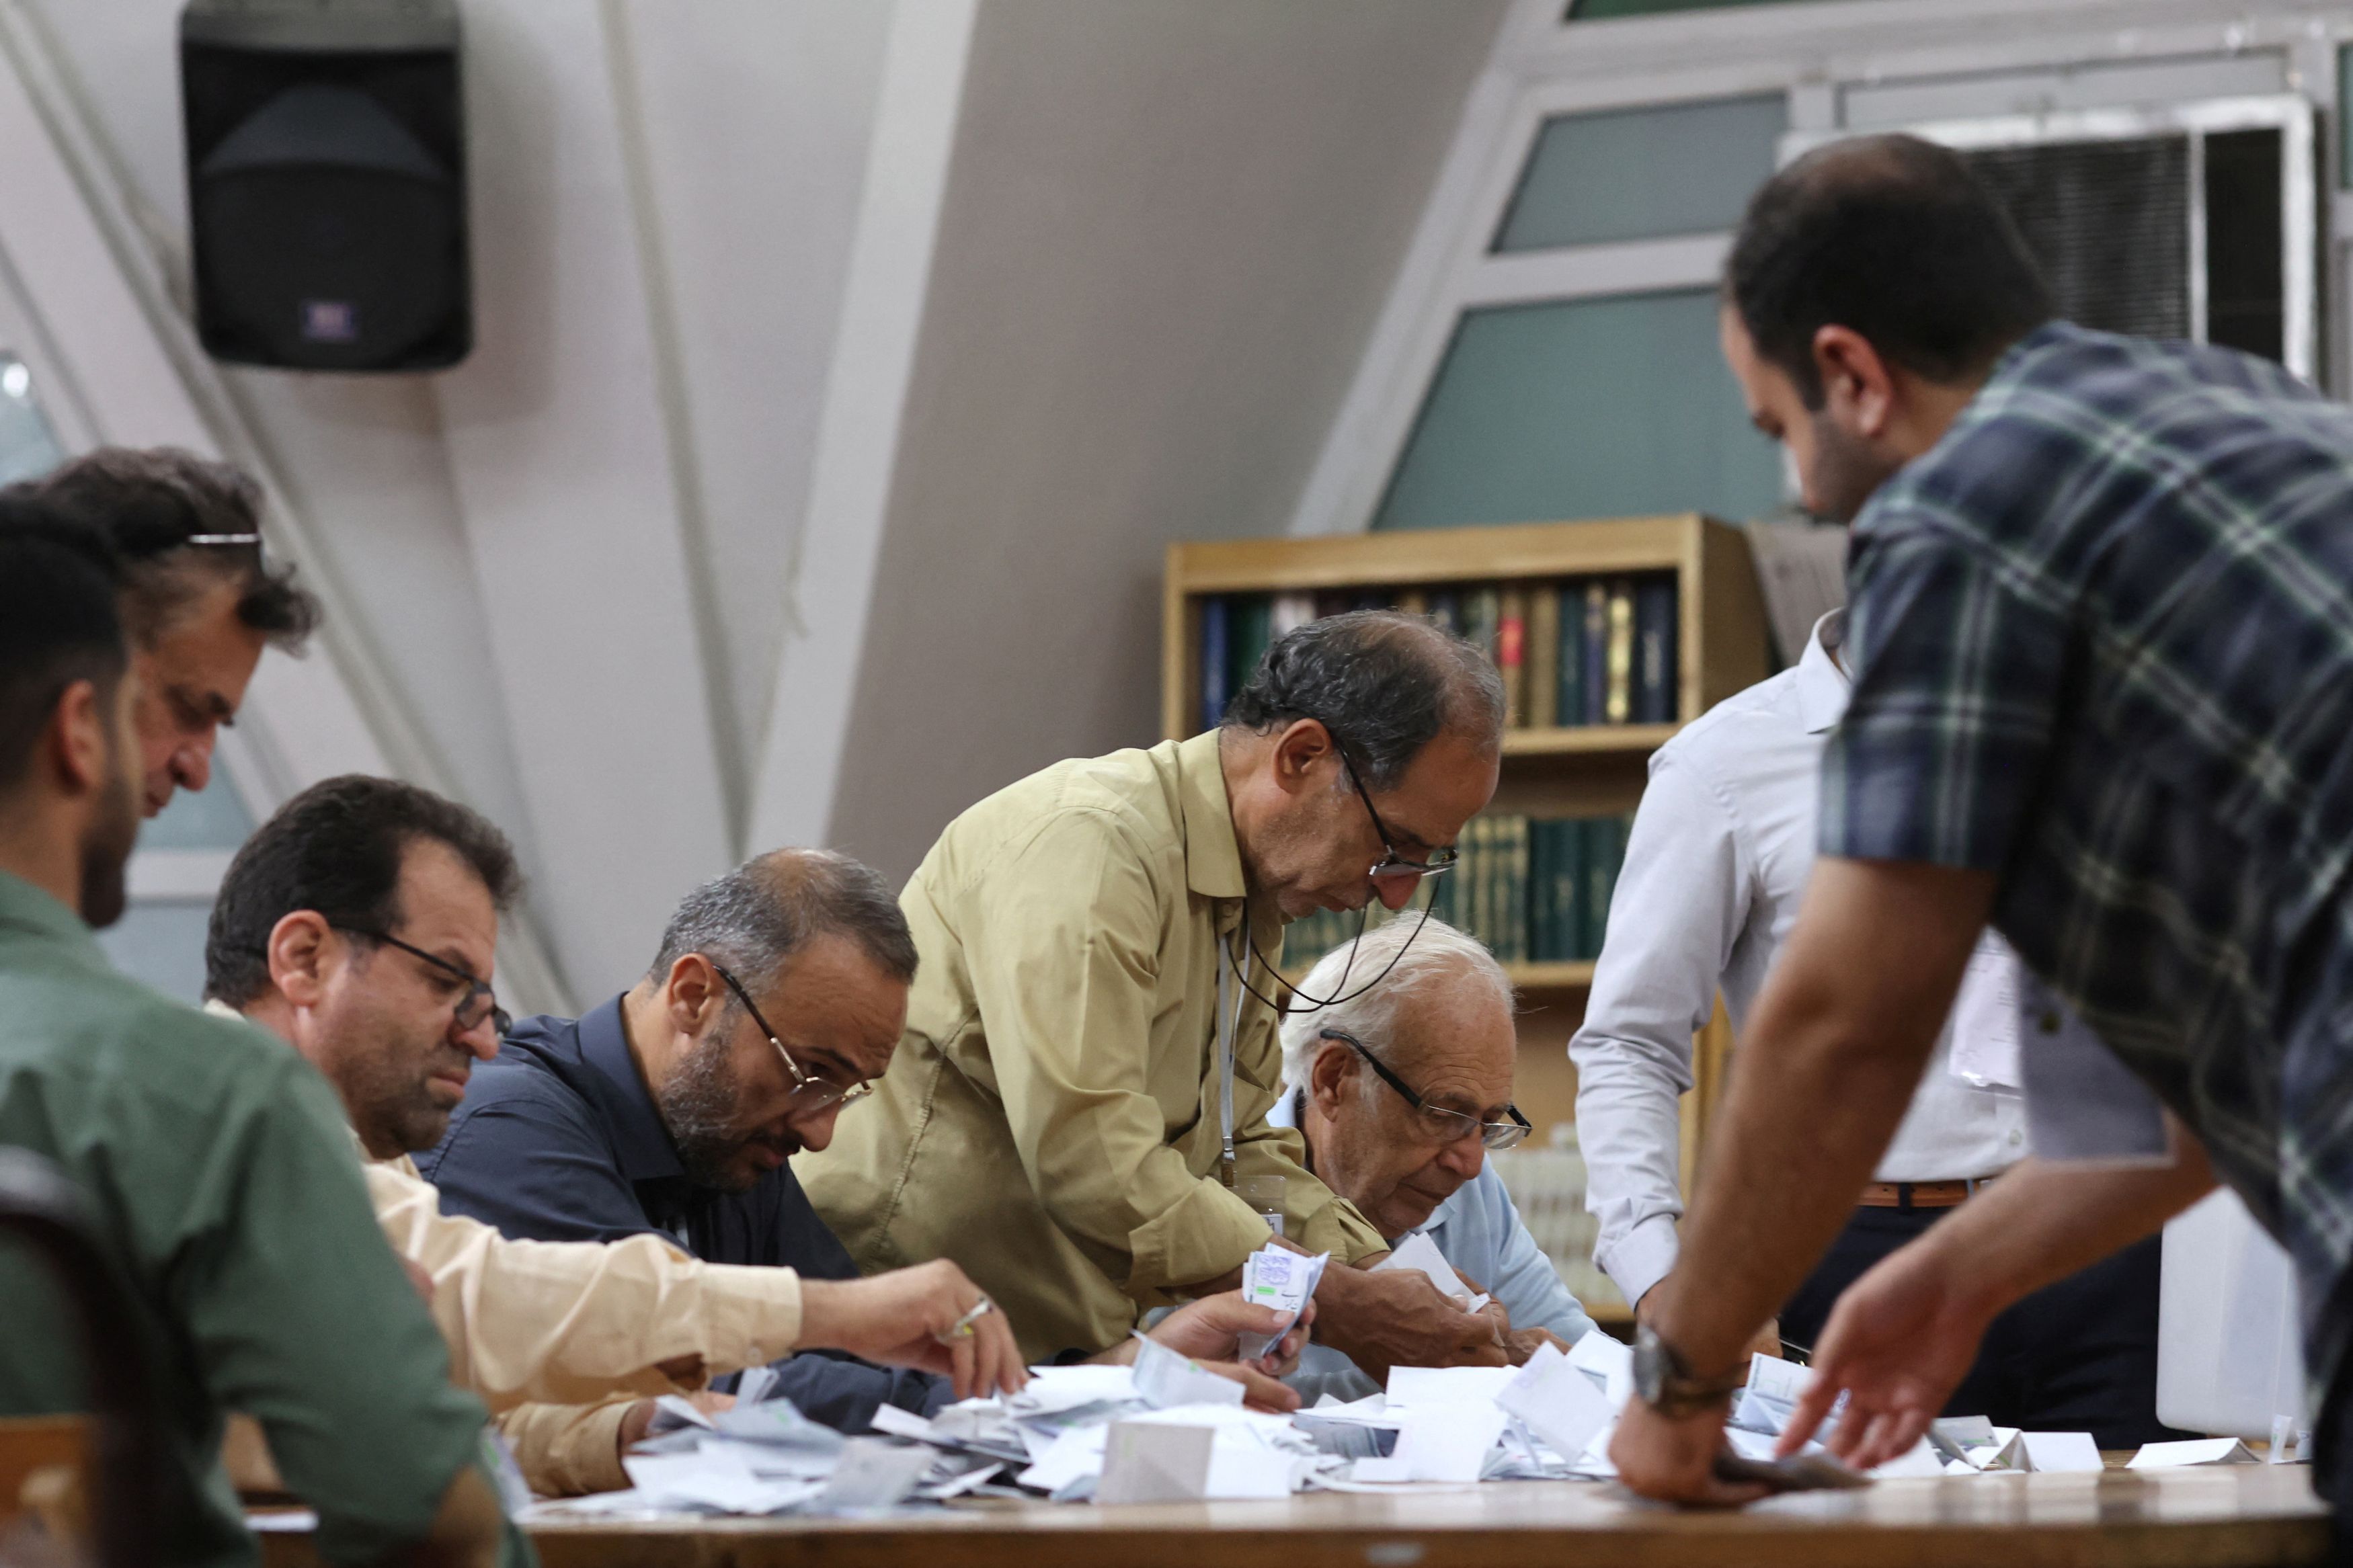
{"points": [[327, 183]]}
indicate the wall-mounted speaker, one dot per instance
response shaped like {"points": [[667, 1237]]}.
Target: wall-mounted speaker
{"points": [[327, 183]]}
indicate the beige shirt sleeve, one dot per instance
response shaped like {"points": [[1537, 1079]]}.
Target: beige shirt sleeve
{"points": [[572, 1323], [567, 1450]]}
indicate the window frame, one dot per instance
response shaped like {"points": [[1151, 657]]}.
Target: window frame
{"points": [[1812, 50]]}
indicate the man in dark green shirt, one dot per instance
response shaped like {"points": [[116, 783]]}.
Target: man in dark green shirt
{"points": [[218, 1172]]}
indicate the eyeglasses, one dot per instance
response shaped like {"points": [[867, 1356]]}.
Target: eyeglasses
{"points": [[1441, 859], [814, 1092], [475, 1006], [1442, 1125]]}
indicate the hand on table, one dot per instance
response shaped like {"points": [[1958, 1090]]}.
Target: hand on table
{"points": [[909, 1317], [1897, 1343], [1397, 1318], [1673, 1458]]}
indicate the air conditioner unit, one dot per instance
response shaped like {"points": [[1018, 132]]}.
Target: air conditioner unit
{"points": [[2196, 220]]}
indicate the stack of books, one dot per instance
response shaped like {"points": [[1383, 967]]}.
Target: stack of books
{"points": [[1597, 650], [1534, 891]]}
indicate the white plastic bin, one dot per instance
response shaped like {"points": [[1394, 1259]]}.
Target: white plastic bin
{"points": [[2229, 1358]]}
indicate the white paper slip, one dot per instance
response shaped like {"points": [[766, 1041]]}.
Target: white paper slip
{"points": [[1984, 1052], [718, 1480], [893, 1421], [1073, 1455], [1419, 1255], [2050, 1451], [1412, 1386], [1609, 1360], [1283, 1281], [1448, 1442], [283, 1521], [1053, 1389], [2191, 1451], [1164, 1378], [1920, 1460], [1557, 1402], [1153, 1462], [871, 1473]]}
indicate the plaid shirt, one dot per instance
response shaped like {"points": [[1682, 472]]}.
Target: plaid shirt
{"points": [[2103, 640]]}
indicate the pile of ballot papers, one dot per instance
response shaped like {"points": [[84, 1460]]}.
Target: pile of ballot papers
{"points": [[1168, 1429]]}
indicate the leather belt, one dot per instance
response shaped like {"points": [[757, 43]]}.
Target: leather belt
{"points": [[1919, 1194]]}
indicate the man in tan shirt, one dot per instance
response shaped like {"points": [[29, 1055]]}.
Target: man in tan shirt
{"points": [[353, 924], [1055, 1116]]}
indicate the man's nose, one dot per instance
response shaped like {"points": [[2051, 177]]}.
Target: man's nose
{"points": [[817, 1131], [192, 762], [482, 1039], [1466, 1157], [1396, 892]]}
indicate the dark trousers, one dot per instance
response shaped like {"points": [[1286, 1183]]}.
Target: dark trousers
{"points": [[2076, 1356]]}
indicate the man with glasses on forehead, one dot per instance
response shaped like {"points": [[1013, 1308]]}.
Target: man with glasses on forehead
{"points": [[1079, 1098], [199, 601], [1400, 1093]]}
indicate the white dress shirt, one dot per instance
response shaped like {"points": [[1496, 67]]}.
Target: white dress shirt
{"points": [[1716, 863]]}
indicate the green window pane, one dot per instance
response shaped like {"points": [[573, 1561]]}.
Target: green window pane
{"points": [[2343, 120], [1638, 174], [1583, 409], [213, 819]]}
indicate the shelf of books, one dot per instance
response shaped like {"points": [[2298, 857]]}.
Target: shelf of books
{"points": [[1610, 636]]}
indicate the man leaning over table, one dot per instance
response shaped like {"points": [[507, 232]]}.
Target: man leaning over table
{"points": [[2102, 636], [357, 924], [219, 1183], [1398, 1094], [1714, 868], [1057, 1116]]}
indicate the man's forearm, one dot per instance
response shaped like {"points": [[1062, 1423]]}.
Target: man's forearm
{"points": [[2043, 1222]]}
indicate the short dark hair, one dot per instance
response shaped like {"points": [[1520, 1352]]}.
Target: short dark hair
{"points": [[150, 503], [1384, 684], [337, 849], [1893, 238], [753, 919], [60, 624]]}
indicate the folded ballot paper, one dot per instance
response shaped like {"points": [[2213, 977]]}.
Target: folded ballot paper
{"points": [[1283, 1280], [1419, 1255]]}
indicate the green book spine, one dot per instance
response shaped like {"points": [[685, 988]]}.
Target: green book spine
{"points": [[1569, 655], [1605, 851], [1539, 890], [1517, 914], [1485, 929], [1251, 620], [1568, 887]]}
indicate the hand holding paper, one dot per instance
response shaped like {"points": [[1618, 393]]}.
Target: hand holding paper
{"points": [[1282, 1281]]}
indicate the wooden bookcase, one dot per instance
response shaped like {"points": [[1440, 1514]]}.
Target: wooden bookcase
{"points": [[1546, 771]]}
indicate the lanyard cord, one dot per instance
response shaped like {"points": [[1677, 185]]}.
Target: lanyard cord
{"points": [[1316, 1003]]}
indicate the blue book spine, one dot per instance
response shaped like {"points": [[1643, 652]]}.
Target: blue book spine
{"points": [[1655, 647], [1593, 653], [1213, 662]]}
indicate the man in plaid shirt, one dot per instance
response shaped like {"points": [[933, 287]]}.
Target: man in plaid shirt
{"points": [[2102, 629]]}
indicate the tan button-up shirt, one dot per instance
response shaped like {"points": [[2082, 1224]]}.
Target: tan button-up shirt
{"points": [[1051, 1117], [575, 1322]]}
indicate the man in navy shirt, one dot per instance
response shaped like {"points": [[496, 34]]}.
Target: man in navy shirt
{"points": [[779, 991]]}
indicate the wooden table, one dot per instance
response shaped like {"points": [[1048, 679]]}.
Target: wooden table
{"points": [[2175, 1518]]}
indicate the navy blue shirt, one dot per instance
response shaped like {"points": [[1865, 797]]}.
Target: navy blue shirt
{"points": [[558, 1140]]}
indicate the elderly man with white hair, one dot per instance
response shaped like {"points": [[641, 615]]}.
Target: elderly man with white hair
{"points": [[1400, 1089]]}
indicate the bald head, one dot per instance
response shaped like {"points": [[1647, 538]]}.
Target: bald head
{"points": [[758, 917]]}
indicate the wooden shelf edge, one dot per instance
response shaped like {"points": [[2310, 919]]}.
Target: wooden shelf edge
{"points": [[1583, 739]]}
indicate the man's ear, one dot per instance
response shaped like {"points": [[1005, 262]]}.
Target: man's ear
{"points": [[299, 953], [1300, 753], [1329, 1076], [78, 742], [1858, 389], [693, 988]]}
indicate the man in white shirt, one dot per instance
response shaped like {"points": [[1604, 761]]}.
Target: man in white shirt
{"points": [[1714, 866]]}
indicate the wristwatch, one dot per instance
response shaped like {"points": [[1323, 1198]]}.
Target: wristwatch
{"points": [[1663, 1379]]}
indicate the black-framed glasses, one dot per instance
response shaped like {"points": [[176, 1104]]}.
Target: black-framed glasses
{"points": [[1441, 859], [476, 1004], [814, 1091], [1443, 1126]]}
